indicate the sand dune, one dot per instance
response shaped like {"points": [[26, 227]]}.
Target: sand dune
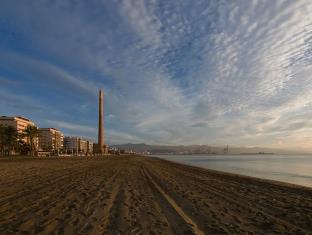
{"points": [[139, 195]]}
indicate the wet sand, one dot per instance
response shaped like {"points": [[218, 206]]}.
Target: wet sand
{"points": [[140, 195]]}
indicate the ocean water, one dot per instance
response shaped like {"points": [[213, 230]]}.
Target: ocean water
{"points": [[295, 169]]}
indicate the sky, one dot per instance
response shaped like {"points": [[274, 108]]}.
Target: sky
{"points": [[173, 71]]}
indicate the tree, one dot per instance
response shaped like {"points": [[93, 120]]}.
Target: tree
{"points": [[8, 139], [31, 132], [11, 138], [23, 147], [2, 139]]}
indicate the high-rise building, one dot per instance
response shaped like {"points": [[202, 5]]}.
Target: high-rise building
{"points": [[50, 139], [20, 124]]}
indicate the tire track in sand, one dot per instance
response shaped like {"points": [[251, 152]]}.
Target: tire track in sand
{"points": [[101, 211], [79, 209], [172, 204], [241, 201]]}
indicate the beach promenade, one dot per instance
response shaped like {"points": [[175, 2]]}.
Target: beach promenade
{"points": [[141, 195]]}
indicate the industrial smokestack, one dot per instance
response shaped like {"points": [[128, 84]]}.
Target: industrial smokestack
{"points": [[101, 121]]}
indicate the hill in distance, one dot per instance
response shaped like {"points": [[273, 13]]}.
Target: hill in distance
{"points": [[199, 149]]}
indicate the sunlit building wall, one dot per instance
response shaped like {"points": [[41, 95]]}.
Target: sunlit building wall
{"points": [[19, 123], [50, 139]]}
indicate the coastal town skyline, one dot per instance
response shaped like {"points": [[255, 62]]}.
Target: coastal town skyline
{"points": [[20, 135], [221, 73], [155, 117]]}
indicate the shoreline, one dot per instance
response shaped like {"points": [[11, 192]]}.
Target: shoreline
{"points": [[271, 181], [138, 194], [266, 171]]}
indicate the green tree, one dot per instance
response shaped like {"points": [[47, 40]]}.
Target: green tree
{"points": [[31, 132]]}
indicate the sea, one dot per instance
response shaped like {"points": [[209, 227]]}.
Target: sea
{"points": [[294, 169]]}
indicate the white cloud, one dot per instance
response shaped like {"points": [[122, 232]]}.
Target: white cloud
{"points": [[48, 73], [117, 137], [177, 72], [141, 16], [72, 126]]}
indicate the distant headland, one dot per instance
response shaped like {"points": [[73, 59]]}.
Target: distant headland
{"points": [[200, 149]]}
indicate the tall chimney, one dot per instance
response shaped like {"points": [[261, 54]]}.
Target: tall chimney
{"points": [[101, 128]]}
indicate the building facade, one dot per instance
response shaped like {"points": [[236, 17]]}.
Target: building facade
{"points": [[71, 144], [77, 146], [50, 139], [20, 124], [90, 148], [83, 146]]}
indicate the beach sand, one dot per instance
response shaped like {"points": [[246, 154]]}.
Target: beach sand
{"points": [[141, 195]]}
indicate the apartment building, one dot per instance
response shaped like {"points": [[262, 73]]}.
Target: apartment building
{"points": [[71, 144], [50, 139], [77, 146], [90, 148], [83, 146], [20, 124]]}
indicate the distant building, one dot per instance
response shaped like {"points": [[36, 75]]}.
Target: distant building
{"points": [[77, 146], [50, 139], [20, 124], [90, 148], [83, 146], [71, 144]]}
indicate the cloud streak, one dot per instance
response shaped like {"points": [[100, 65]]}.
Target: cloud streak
{"points": [[174, 72]]}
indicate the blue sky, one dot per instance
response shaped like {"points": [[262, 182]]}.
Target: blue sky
{"points": [[173, 72]]}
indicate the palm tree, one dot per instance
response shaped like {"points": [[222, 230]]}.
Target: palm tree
{"points": [[31, 132], [22, 147]]}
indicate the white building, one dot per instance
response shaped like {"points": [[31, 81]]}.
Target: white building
{"points": [[77, 146], [50, 139], [90, 148]]}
